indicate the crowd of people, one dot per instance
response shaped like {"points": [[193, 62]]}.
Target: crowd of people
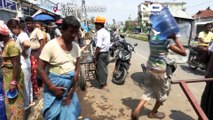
{"points": [[34, 59], [27, 48]]}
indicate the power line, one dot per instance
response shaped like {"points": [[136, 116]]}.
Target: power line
{"points": [[199, 4]]}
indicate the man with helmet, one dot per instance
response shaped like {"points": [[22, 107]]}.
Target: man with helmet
{"points": [[101, 53]]}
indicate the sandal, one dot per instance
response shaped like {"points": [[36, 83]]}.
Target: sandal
{"points": [[133, 116], [158, 115]]}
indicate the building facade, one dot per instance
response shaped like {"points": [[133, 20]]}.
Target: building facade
{"points": [[176, 9], [8, 9], [20, 8], [202, 17]]}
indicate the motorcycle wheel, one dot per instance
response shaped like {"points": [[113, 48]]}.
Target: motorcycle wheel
{"points": [[82, 78], [119, 76], [190, 64]]}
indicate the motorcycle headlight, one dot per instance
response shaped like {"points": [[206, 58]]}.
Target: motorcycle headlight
{"points": [[130, 48], [116, 52], [124, 55], [120, 55], [127, 57]]}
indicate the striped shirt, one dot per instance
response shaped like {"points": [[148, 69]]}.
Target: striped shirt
{"points": [[158, 53]]}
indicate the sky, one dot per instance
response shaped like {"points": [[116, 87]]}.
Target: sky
{"points": [[122, 10]]}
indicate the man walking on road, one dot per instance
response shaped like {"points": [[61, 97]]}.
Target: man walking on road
{"points": [[101, 53], [157, 81]]}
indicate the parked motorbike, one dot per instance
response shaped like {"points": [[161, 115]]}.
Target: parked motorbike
{"points": [[122, 63], [113, 46], [193, 60]]}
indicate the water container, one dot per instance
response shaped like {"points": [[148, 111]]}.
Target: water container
{"points": [[164, 23], [2, 104]]}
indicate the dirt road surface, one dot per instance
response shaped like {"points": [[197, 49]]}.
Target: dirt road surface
{"points": [[117, 101]]}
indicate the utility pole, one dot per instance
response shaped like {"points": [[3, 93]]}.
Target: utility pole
{"points": [[84, 11], [19, 11], [73, 8]]}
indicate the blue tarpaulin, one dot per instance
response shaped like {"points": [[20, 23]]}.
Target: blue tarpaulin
{"points": [[43, 17], [91, 26], [85, 27]]}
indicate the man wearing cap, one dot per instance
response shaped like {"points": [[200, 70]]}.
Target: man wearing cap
{"points": [[54, 31], [101, 53]]}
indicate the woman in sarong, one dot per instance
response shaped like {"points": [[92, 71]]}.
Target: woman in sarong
{"points": [[12, 75]]}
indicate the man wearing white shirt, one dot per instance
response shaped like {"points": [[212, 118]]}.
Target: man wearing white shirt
{"points": [[101, 53]]}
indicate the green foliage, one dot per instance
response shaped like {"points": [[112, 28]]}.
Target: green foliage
{"points": [[87, 36], [142, 37], [139, 37], [91, 20], [130, 27]]}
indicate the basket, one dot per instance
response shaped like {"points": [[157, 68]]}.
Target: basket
{"points": [[86, 57]]}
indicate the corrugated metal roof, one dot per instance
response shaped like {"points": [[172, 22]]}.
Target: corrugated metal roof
{"points": [[204, 14], [180, 14]]}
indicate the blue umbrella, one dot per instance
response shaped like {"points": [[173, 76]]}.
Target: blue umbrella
{"points": [[43, 17]]}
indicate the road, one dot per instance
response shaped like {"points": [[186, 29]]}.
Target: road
{"points": [[116, 102]]}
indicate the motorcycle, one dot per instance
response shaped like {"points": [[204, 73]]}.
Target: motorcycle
{"points": [[113, 46], [122, 63], [193, 60]]}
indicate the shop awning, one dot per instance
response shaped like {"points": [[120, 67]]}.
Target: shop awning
{"points": [[49, 10], [203, 23]]}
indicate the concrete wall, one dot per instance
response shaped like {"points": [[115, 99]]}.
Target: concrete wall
{"points": [[175, 9], [209, 19]]}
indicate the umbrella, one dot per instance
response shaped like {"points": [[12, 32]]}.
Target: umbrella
{"points": [[59, 21], [43, 17]]}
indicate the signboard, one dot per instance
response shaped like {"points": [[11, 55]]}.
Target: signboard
{"points": [[27, 8], [1, 4], [8, 4]]}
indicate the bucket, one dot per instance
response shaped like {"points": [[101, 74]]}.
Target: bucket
{"points": [[164, 22]]}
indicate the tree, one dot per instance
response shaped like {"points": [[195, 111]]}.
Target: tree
{"points": [[92, 20]]}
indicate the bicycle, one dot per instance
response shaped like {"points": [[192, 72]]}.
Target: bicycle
{"points": [[86, 65]]}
